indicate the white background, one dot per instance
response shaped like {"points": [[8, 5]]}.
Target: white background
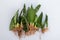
{"points": [[50, 7]]}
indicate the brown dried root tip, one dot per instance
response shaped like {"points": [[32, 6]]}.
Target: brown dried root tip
{"points": [[20, 30], [15, 31], [19, 33], [32, 32], [44, 30], [27, 33]]}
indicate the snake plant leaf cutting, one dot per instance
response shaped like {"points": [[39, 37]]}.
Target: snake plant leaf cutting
{"points": [[28, 21], [14, 21], [24, 19], [12, 25], [46, 20], [39, 20], [45, 23]]}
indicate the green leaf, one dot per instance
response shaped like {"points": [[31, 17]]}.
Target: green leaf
{"points": [[35, 22], [39, 20], [20, 18], [25, 24], [24, 10], [31, 15], [46, 20], [12, 24], [31, 6], [36, 18], [15, 17], [37, 8], [13, 21]]}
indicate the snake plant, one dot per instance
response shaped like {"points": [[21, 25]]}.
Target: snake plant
{"points": [[29, 19]]}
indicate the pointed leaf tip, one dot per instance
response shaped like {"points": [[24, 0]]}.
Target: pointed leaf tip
{"points": [[37, 8]]}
